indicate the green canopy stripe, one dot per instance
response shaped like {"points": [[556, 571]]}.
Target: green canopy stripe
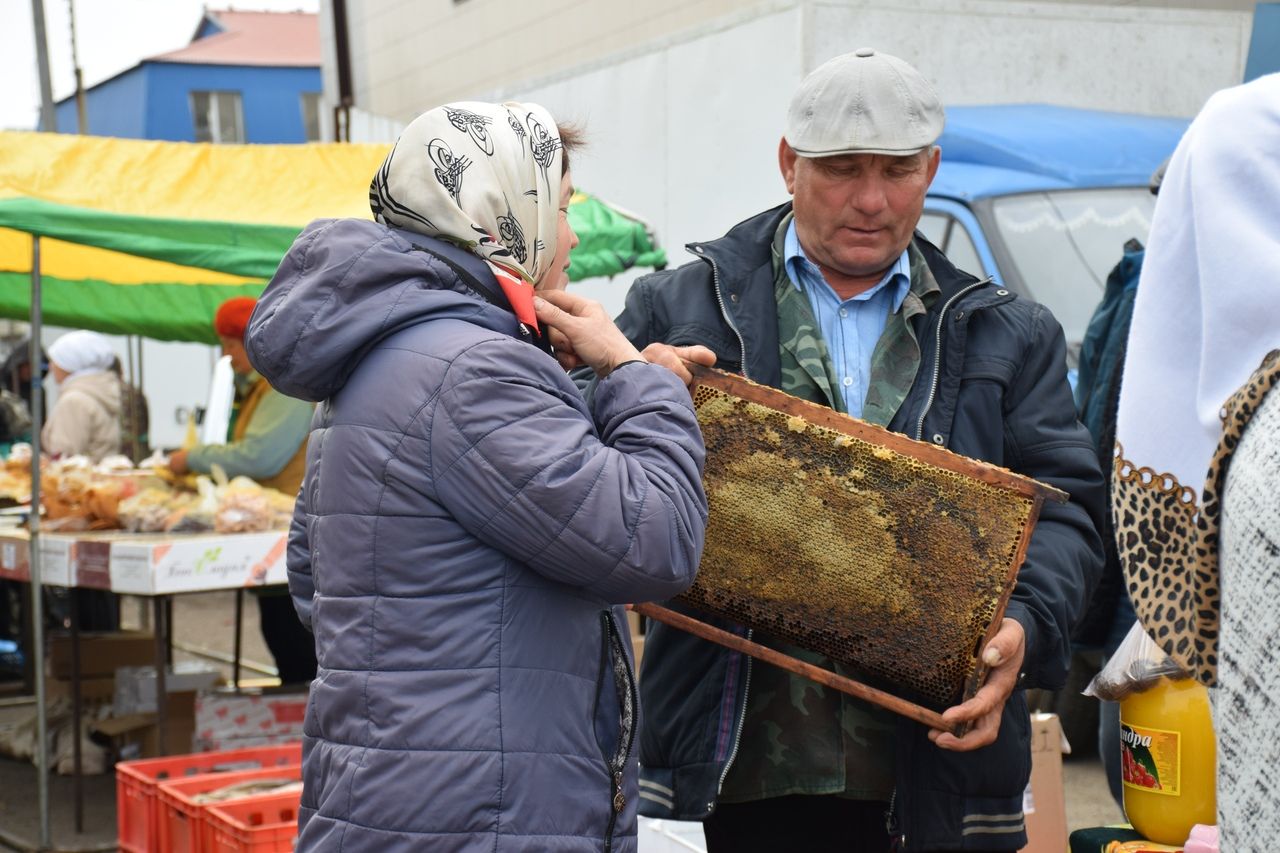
{"points": [[611, 240], [236, 248], [166, 312]]}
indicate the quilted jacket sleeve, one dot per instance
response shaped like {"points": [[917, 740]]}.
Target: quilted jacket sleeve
{"points": [[609, 500], [1064, 558]]}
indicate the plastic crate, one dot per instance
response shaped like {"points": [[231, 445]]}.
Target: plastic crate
{"points": [[137, 817], [266, 824], [181, 821]]}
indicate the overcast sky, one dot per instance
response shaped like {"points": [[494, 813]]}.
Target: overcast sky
{"points": [[111, 35]]}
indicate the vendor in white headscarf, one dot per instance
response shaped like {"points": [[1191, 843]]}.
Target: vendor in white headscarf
{"points": [[1196, 508], [86, 419]]}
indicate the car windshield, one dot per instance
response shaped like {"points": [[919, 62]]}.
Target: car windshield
{"points": [[1065, 242]]}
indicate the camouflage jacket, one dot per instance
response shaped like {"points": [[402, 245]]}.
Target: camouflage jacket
{"points": [[799, 737]]}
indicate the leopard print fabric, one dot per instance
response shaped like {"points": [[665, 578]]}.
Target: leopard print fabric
{"points": [[1168, 543]]}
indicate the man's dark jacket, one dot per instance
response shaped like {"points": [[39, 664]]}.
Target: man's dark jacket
{"points": [[998, 392]]}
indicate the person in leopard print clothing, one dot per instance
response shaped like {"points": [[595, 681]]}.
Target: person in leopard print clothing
{"points": [[1201, 551]]}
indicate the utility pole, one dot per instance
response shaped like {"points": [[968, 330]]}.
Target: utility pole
{"points": [[48, 122], [82, 108], [342, 51]]}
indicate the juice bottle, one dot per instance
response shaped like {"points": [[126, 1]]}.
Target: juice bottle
{"points": [[1168, 758]]}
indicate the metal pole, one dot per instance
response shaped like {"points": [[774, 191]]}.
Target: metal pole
{"points": [[131, 401], [37, 615], [82, 109], [77, 706], [162, 696], [141, 398], [235, 667], [48, 121], [342, 55]]}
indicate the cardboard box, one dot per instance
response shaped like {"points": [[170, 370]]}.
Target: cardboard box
{"points": [[1044, 805], [66, 559], [95, 691], [637, 637], [225, 719], [137, 735], [158, 565], [135, 688], [91, 560], [55, 559], [101, 654], [15, 556]]}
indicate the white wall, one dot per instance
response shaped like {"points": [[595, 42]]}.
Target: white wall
{"points": [[686, 135], [684, 115], [174, 376], [411, 55], [1155, 61]]}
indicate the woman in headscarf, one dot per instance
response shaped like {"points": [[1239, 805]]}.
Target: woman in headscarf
{"points": [[1196, 501], [469, 523], [85, 421]]}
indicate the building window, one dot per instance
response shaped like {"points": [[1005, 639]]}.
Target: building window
{"points": [[218, 116], [311, 116]]}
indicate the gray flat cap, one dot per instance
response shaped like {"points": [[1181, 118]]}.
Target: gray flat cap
{"points": [[865, 102]]}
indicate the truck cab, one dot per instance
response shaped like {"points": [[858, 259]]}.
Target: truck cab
{"points": [[1043, 199]]}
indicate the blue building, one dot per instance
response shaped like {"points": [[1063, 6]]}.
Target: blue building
{"points": [[245, 77]]}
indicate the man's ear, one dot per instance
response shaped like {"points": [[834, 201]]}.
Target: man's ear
{"points": [[787, 164], [935, 157]]}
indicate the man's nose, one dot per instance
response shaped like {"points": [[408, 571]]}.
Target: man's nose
{"points": [[867, 195]]}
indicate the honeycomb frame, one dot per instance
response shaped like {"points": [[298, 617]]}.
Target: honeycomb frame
{"points": [[823, 530]]}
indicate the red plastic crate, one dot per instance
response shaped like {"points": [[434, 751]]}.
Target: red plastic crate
{"points": [[266, 824], [137, 815], [181, 821]]}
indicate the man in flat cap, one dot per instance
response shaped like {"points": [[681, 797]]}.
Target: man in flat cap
{"points": [[266, 442], [834, 297]]}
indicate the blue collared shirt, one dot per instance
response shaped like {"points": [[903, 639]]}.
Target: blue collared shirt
{"points": [[850, 328]]}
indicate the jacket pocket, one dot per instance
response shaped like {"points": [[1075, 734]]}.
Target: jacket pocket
{"points": [[614, 716]]}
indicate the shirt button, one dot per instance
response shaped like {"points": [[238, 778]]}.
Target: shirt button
{"points": [[848, 380], [844, 313]]}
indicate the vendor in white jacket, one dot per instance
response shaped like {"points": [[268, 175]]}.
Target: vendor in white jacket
{"points": [[86, 418]]}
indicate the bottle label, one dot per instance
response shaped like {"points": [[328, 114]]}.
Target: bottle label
{"points": [[1150, 759]]}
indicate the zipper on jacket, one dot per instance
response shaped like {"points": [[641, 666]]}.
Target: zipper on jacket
{"points": [[724, 311], [746, 684], [897, 841], [742, 717], [616, 765], [937, 354]]}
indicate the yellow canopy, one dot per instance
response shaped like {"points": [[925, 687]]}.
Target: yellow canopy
{"points": [[141, 237]]}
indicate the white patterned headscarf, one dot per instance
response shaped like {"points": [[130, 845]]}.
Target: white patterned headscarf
{"points": [[485, 176]]}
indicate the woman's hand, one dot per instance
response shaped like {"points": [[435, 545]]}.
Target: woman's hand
{"points": [[582, 333], [678, 359], [178, 462]]}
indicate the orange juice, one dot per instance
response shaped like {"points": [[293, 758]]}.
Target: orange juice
{"points": [[1168, 757]]}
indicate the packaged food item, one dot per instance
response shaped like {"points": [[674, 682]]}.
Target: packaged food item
{"points": [[1138, 663], [1168, 759], [149, 509], [246, 507]]}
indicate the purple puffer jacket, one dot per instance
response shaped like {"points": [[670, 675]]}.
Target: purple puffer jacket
{"points": [[465, 532]]}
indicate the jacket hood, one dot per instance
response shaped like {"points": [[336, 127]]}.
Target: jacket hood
{"points": [[103, 386], [347, 284]]}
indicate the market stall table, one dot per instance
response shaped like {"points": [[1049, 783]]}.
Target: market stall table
{"points": [[155, 566]]}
